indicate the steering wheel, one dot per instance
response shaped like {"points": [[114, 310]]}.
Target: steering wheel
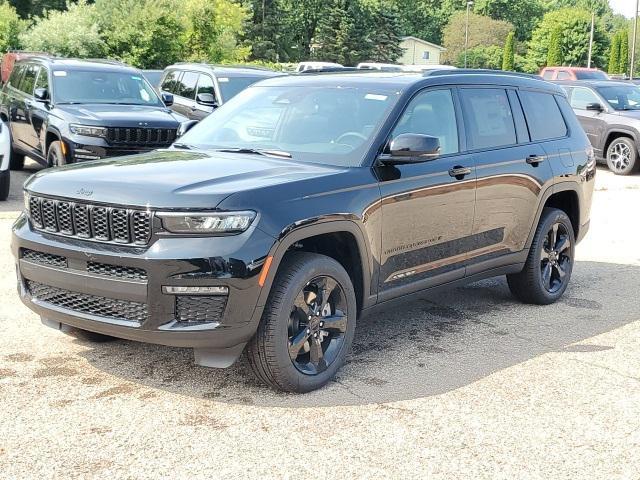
{"points": [[357, 135]]}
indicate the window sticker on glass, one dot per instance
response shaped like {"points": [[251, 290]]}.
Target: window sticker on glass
{"points": [[145, 96], [373, 96], [135, 78], [59, 73], [223, 79]]}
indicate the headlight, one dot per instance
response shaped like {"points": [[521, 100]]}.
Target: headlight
{"points": [[207, 222], [88, 130], [27, 199]]}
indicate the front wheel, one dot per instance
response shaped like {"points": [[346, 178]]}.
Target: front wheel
{"points": [[548, 268], [622, 156], [307, 326], [55, 157]]}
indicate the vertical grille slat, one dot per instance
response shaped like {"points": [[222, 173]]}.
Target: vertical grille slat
{"points": [[141, 136], [92, 222]]}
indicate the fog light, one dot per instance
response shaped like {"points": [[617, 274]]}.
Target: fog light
{"points": [[195, 290]]}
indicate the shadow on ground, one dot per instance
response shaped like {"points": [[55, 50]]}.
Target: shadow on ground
{"points": [[429, 347]]}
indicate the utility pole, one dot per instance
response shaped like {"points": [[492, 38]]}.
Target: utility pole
{"points": [[633, 42], [466, 33], [593, 19]]}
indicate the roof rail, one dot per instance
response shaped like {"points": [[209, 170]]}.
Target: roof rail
{"points": [[216, 65], [477, 71]]}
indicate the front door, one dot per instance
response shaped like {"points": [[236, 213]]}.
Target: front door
{"points": [[592, 121], [184, 101], [427, 210]]}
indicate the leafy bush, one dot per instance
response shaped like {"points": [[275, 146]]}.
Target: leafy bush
{"points": [[10, 27], [482, 57]]}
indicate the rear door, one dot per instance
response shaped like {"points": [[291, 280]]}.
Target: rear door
{"points": [[185, 94], [511, 171]]}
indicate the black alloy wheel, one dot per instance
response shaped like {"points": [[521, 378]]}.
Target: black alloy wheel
{"points": [[317, 325], [555, 258]]}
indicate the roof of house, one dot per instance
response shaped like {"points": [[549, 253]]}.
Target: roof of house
{"points": [[419, 40]]}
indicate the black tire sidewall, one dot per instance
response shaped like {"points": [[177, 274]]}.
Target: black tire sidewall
{"points": [[55, 150], [633, 163], [5, 184], [551, 216], [314, 266]]}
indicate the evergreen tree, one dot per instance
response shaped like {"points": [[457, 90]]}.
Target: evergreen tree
{"points": [[386, 35], [508, 57], [554, 54], [623, 61], [614, 55]]}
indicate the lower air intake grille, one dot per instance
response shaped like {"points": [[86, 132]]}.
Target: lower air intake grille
{"points": [[104, 269], [42, 258], [199, 309], [92, 304]]}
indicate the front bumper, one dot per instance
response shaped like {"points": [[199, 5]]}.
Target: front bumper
{"points": [[117, 290], [82, 149]]}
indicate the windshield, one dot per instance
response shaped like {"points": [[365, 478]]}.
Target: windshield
{"points": [[91, 86], [330, 125], [622, 97], [591, 75], [231, 86]]}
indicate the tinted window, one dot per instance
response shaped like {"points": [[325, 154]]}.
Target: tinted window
{"points": [[231, 86], [205, 85], [431, 113], [580, 97], [622, 97], [29, 79], [548, 74], [562, 75], [591, 75], [43, 80], [169, 82], [543, 116], [186, 87], [488, 117], [16, 73]]}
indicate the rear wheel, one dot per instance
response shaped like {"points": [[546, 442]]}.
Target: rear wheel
{"points": [[5, 184], [55, 157], [548, 268], [622, 156], [16, 160], [307, 326]]}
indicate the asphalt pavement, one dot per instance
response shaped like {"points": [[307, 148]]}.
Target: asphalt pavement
{"points": [[465, 384]]}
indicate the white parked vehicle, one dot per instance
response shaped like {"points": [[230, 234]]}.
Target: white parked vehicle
{"points": [[5, 150], [425, 68], [304, 66], [386, 67]]}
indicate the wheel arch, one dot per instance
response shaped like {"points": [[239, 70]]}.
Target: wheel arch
{"points": [[563, 196], [342, 240], [614, 133]]}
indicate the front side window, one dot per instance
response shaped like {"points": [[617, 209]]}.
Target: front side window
{"points": [[621, 97], [580, 97], [29, 79], [488, 117], [544, 119], [205, 85], [431, 113], [231, 86], [329, 125], [43, 79], [186, 87], [169, 81], [103, 87]]}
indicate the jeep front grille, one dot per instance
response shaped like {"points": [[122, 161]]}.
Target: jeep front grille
{"points": [[110, 308], [94, 222], [141, 136]]}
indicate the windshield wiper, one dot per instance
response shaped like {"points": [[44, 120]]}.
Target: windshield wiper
{"points": [[182, 146], [256, 151]]}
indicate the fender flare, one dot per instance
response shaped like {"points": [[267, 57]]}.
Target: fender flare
{"points": [[313, 227], [633, 134]]}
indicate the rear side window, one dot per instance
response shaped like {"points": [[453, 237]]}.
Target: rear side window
{"points": [[488, 117], [186, 87], [543, 115], [29, 79], [548, 74], [169, 81], [563, 75]]}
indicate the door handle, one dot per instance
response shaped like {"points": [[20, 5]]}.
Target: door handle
{"points": [[459, 172], [535, 159]]}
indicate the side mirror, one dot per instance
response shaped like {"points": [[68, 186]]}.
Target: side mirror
{"points": [[412, 148], [185, 127], [167, 98], [206, 99], [41, 94], [594, 107]]}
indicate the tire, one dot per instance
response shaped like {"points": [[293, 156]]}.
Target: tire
{"points": [[547, 270], [55, 157], [5, 184], [622, 156], [16, 160], [293, 350]]}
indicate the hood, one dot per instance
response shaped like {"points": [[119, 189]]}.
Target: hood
{"points": [[120, 115], [634, 114], [171, 178]]}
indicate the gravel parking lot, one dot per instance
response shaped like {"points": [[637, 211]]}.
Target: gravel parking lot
{"points": [[466, 384]]}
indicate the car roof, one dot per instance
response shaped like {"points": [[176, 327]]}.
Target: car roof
{"points": [[574, 69], [226, 70], [57, 63], [590, 83], [404, 80]]}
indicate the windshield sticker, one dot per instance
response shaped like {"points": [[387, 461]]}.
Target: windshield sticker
{"points": [[59, 73], [136, 78], [145, 96], [223, 80], [373, 96]]}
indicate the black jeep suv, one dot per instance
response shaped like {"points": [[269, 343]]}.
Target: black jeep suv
{"points": [[63, 111], [305, 203]]}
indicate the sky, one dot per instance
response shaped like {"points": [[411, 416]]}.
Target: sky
{"points": [[625, 7]]}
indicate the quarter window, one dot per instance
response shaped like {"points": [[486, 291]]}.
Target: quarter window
{"points": [[488, 117], [186, 87], [543, 116], [581, 97], [431, 113]]}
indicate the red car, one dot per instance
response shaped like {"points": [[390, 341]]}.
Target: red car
{"points": [[9, 58], [572, 73]]}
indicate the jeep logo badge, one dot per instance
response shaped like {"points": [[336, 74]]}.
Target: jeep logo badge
{"points": [[86, 193]]}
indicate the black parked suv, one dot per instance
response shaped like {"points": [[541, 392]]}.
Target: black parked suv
{"points": [[63, 111], [200, 88], [609, 112], [304, 204]]}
